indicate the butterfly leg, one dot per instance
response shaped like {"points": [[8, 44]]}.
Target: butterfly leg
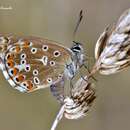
{"points": [[89, 72], [57, 90]]}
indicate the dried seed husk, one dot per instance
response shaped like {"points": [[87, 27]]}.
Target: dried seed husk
{"points": [[112, 50]]}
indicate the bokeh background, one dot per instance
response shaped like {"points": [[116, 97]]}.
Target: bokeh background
{"points": [[55, 20]]}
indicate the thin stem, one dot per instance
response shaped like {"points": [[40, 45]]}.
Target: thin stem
{"points": [[58, 117]]}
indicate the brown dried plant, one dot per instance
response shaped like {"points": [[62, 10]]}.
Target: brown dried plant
{"points": [[112, 50]]}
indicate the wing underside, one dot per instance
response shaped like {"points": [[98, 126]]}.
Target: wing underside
{"points": [[34, 63]]}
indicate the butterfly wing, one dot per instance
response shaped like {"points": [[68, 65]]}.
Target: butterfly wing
{"points": [[57, 90], [32, 63]]}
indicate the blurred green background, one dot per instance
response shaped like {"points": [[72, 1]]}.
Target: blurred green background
{"points": [[55, 20]]}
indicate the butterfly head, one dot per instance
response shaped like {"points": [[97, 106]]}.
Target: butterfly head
{"points": [[77, 47], [78, 53]]}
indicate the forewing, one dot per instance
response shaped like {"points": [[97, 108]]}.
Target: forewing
{"points": [[33, 63]]}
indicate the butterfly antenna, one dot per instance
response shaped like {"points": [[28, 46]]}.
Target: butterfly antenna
{"points": [[78, 23], [58, 117]]}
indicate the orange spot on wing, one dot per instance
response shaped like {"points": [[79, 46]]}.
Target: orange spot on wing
{"points": [[26, 44], [10, 56], [30, 85], [15, 71], [10, 63], [20, 78], [17, 49]]}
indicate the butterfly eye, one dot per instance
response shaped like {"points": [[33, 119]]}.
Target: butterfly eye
{"points": [[49, 80], [52, 63], [27, 68], [34, 50], [23, 56], [23, 62], [56, 53], [45, 48], [77, 47], [36, 80], [35, 72]]}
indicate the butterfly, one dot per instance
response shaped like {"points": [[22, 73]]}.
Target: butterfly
{"points": [[78, 103], [31, 63], [112, 50]]}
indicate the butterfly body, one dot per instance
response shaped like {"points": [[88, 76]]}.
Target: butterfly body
{"points": [[31, 63]]}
